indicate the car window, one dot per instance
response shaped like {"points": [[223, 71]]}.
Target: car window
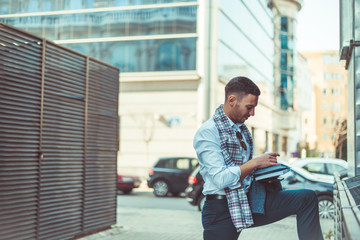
{"points": [[194, 163], [167, 163], [315, 167], [183, 163], [332, 168]]}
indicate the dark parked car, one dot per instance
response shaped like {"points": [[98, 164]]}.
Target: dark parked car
{"points": [[127, 183], [194, 190], [170, 175], [296, 178]]}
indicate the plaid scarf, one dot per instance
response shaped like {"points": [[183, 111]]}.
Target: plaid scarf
{"points": [[239, 207]]}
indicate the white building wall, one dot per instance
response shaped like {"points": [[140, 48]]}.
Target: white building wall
{"points": [[155, 123], [305, 102]]}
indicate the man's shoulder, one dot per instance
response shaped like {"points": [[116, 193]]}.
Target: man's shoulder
{"points": [[207, 132], [207, 128], [208, 125]]}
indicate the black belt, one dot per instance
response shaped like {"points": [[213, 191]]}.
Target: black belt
{"points": [[215, 196]]}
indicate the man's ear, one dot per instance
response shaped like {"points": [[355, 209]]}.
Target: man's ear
{"points": [[232, 100]]}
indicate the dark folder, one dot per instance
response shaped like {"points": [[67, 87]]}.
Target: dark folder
{"points": [[271, 173]]}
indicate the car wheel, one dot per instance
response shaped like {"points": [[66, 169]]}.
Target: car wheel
{"points": [[326, 207], [201, 202], [161, 188]]}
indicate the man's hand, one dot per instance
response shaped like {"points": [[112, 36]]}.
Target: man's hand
{"points": [[266, 160]]}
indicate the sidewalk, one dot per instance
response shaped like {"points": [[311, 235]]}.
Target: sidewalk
{"points": [[140, 223], [171, 226]]}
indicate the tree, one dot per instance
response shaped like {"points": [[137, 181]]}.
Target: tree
{"points": [[340, 139]]}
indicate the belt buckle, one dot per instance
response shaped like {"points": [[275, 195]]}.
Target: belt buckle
{"points": [[219, 197]]}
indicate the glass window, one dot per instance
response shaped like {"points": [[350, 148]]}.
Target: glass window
{"points": [[239, 52], [249, 30], [336, 106], [333, 76], [325, 136], [284, 94], [332, 168], [284, 24], [168, 163], [260, 11], [72, 4], [48, 5], [28, 6], [110, 24], [315, 167], [284, 41], [4, 7], [232, 63], [139, 2], [284, 61], [194, 163], [167, 53], [324, 106], [183, 164], [336, 91], [144, 55]]}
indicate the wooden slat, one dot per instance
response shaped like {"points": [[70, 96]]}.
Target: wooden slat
{"points": [[58, 140]]}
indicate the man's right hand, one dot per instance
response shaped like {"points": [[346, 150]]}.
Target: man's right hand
{"points": [[266, 160]]}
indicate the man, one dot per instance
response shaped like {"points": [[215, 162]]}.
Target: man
{"points": [[224, 148]]}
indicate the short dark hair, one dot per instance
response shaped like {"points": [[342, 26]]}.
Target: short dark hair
{"points": [[241, 86]]}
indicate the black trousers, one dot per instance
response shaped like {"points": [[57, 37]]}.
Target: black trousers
{"points": [[217, 222]]}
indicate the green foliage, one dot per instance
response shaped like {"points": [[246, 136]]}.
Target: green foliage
{"points": [[329, 234]]}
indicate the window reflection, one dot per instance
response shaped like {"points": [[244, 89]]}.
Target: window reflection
{"points": [[144, 55], [237, 18], [28, 6], [284, 24], [110, 24], [287, 62], [232, 63], [246, 44]]}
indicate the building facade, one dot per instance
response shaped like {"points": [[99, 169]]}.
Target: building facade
{"points": [[330, 87], [304, 103], [175, 59], [350, 53]]}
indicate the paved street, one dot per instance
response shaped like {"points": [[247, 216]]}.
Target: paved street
{"points": [[141, 216]]}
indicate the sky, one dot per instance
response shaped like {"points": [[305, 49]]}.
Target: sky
{"points": [[318, 25]]}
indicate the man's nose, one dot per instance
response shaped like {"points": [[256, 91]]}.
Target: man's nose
{"points": [[252, 112]]}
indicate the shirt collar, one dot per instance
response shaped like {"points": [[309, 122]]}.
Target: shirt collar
{"points": [[235, 126]]}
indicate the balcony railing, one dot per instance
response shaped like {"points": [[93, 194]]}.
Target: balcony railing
{"points": [[347, 208]]}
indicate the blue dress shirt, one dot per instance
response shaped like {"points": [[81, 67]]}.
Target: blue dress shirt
{"points": [[213, 169]]}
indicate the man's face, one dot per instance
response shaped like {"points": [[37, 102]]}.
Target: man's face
{"points": [[243, 108]]}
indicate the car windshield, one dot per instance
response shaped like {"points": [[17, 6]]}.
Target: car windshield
{"points": [[304, 173]]}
